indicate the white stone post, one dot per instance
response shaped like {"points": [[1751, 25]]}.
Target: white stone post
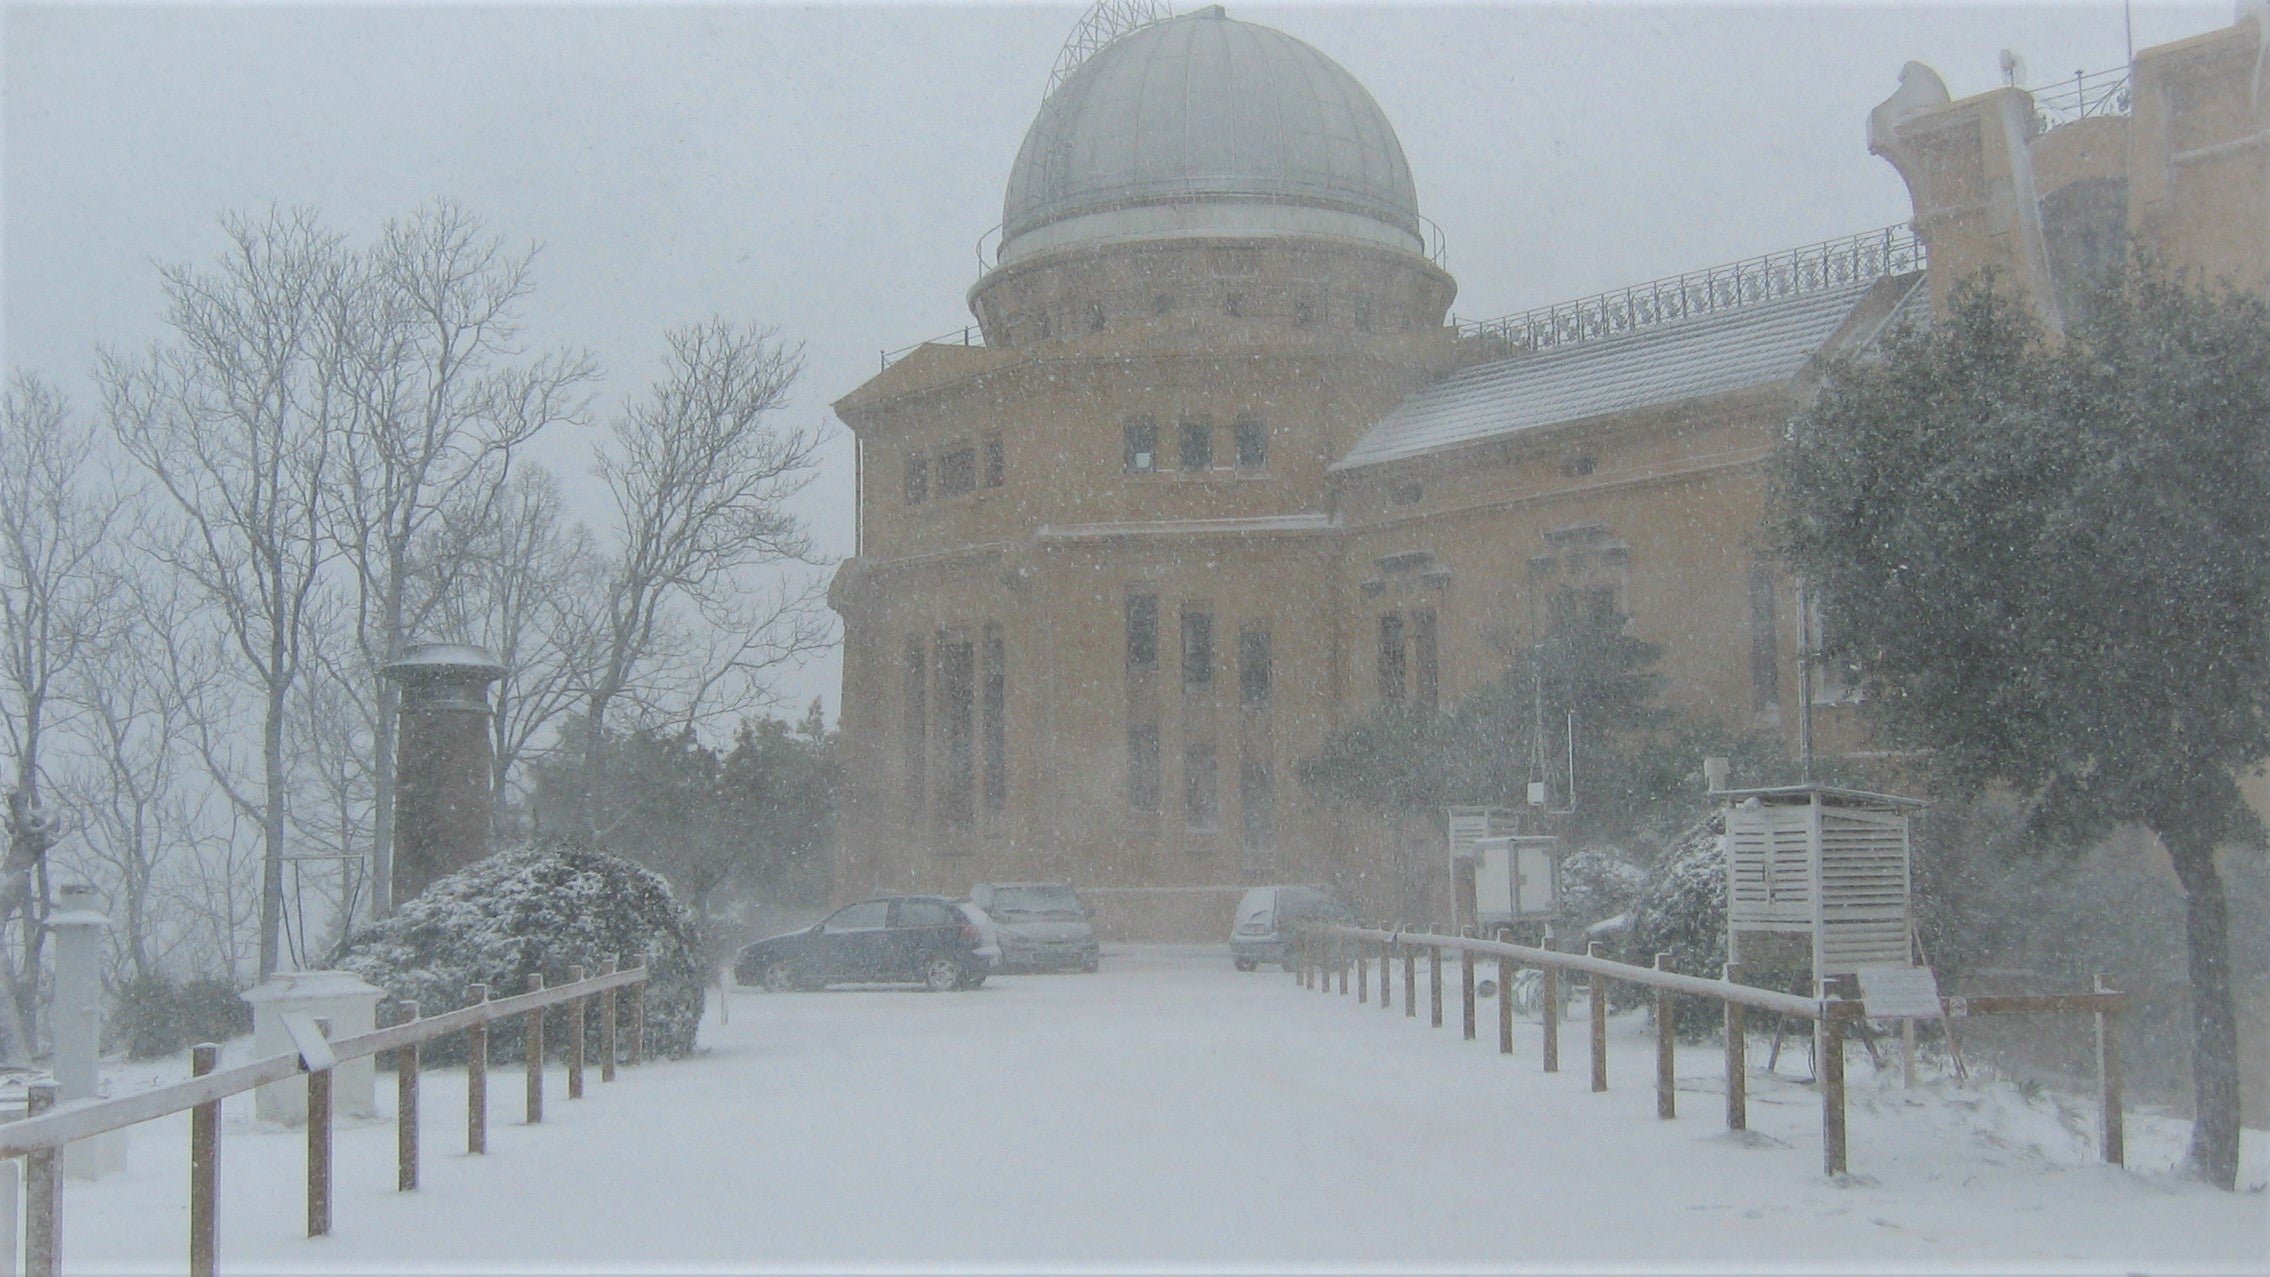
{"points": [[340, 997], [75, 1018]]}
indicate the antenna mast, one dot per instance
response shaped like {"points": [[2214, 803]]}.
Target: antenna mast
{"points": [[1104, 22]]}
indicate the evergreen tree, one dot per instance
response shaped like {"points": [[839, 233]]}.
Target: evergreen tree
{"points": [[2049, 560]]}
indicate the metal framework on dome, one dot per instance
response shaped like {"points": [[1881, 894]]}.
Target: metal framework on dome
{"points": [[1893, 250], [2087, 94], [1104, 22]]}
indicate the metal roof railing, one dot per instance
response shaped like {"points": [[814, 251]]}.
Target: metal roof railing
{"points": [[1855, 259], [2087, 94], [967, 335]]}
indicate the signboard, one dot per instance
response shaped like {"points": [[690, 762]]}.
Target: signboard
{"points": [[307, 1039], [1893, 993]]}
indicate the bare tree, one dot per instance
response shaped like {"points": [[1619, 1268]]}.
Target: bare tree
{"points": [[440, 404], [237, 421], [56, 600], [700, 478], [527, 593]]}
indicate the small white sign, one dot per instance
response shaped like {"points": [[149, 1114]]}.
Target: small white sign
{"points": [[307, 1039], [1895, 993]]}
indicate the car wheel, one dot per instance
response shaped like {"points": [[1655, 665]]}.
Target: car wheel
{"points": [[971, 981], [780, 977], [942, 972], [1248, 964]]}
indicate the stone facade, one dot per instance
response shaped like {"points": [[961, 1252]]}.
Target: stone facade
{"points": [[1128, 562]]}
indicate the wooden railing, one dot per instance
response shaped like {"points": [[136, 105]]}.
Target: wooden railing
{"points": [[1322, 951], [39, 1137]]}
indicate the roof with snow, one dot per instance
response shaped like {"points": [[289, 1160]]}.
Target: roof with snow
{"points": [[1749, 345]]}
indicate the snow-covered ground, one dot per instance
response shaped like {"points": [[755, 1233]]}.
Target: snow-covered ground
{"points": [[1172, 1113]]}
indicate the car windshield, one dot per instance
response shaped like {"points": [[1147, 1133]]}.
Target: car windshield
{"points": [[1036, 902]]}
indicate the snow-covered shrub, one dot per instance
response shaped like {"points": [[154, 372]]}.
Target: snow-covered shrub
{"points": [[158, 1016], [1598, 884], [537, 909], [1682, 912]]}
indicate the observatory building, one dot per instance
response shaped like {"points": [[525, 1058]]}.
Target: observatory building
{"points": [[1213, 476]]}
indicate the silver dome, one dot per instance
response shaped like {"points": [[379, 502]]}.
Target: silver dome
{"points": [[1237, 128]]}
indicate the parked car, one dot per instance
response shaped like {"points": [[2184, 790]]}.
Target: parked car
{"points": [[1263, 931], [1043, 925], [926, 939]]}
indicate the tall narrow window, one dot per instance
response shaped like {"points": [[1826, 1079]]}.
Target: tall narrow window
{"points": [[1143, 768], [996, 461], [957, 473], [1142, 631], [917, 480], [995, 703], [1197, 648], [1391, 658], [1142, 452], [1257, 816], [1253, 668], [955, 705], [1251, 435], [1201, 799], [915, 739], [1197, 443], [1765, 645], [1428, 684]]}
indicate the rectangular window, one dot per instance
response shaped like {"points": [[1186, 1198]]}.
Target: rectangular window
{"points": [[957, 473], [1197, 443], [1257, 816], [1428, 689], [1142, 631], [1251, 436], [917, 480], [1391, 658], [1253, 668], [996, 705], [955, 702], [1765, 642], [1143, 769], [1201, 801], [915, 738], [1197, 648], [1142, 445], [996, 461]]}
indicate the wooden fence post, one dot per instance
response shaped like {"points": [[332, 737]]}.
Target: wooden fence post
{"points": [[1410, 980], [1505, 1004], [607, 1025], [204, 1165], [1830, 1055], [406, 1110], [638, 1019], [1340, 961], [1737, 1062], [2111, 1138], [43, 1194], [319, 1146], [533, 1044], [1549, 1038], [1666, 1047], [1363, 974], [1434, 982], [1599, 985], [575, 1036], [1386, 971], [477, 1077], [1466, 990]]}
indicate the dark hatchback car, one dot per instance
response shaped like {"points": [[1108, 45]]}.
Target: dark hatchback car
{"points": [[926, 939]]}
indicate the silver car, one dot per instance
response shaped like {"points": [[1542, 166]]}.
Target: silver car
{"points": [[1043, 926]]}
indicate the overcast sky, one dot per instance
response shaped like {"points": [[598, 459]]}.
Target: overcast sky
{"points": [[830, 169]]}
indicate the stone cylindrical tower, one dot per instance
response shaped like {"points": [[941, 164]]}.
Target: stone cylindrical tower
{"points": [[442, 762]]}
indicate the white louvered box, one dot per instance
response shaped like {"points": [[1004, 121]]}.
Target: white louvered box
{"points": [[1828, 863]]}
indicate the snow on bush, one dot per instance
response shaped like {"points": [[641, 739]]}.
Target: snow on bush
{"points": [[1597, 885], [1682, 912], [158, 1016], [538, 909]]}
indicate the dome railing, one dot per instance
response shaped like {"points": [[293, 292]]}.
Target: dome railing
{"points": [[2088, 93], [967, 335], [1854, 259]]}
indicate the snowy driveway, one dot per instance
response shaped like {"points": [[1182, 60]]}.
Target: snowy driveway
{"points": [[1173, 1113]]}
